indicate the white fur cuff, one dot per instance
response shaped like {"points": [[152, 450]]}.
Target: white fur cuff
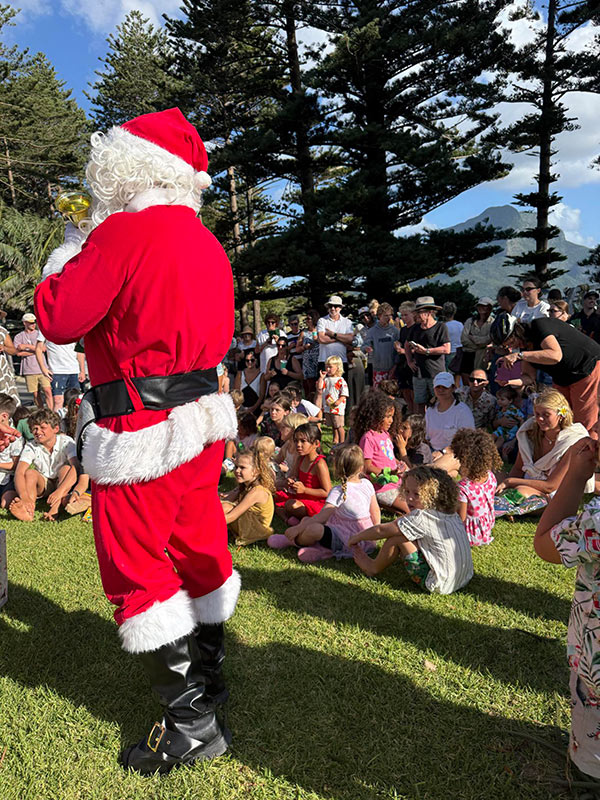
{"points": [[137, 456], [218, 605], [161, 624], [71, 247]]}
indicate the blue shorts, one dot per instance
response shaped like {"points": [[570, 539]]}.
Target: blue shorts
{"points": [[60, 383]]}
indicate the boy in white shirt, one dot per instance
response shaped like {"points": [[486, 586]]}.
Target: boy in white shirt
{"points": [[10, 455], [46, 468]]}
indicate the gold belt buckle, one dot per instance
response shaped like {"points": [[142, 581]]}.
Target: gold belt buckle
{"points": [[155, 736]]}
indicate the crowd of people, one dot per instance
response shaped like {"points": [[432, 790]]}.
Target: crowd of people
{"points": [[439, 425], [443, 426]]}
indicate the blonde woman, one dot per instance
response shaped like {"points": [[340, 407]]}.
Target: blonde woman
{"points": [[543, 442]]}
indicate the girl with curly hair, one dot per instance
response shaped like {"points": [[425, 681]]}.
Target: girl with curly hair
{"points": [[431, 539], [249, 508], [372, 422], [476, 451]]}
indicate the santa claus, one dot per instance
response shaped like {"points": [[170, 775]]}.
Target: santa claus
{"points": [[135, 287]]}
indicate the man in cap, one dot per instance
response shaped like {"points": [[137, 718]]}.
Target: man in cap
{"points": [[31, 370], [154, 445], [334, 333], [426, 350], [588, 320]]}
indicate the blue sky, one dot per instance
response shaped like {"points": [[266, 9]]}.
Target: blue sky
{"points": [[73, 36]]}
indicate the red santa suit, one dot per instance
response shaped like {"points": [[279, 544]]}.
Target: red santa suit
{"points": [[151, 292]]}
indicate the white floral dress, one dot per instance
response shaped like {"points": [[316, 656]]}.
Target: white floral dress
{"points": [[8, 383], [577, 540]]}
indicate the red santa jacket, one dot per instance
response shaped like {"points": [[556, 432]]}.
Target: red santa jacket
{"points": [[151, 292]]}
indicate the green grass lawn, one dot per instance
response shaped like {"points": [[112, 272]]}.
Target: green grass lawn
{"points": [[341, 686]]}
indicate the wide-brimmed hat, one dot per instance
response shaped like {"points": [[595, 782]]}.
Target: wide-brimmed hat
{"points": [[426, 302], [485, 301], [247, 329], [334, 300], [28, 317]]}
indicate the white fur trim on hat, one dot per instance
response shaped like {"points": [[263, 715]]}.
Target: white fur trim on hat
{"points": [[136, 456], [179, 165], [218, 605], [162, 623], [74, 239]]}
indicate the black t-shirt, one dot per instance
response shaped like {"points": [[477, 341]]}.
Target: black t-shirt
{"points": [[588, 324], [436, 336], [580, 353]]}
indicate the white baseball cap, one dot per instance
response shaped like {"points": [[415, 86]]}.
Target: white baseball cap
{"points": [[443, 379], [28, 318]]}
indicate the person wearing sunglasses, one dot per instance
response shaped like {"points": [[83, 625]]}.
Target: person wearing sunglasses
{"points": [[530, 306], [559, 309], [248, 381], [283, 367], [588, 320], [334, 333], [477, 397]]}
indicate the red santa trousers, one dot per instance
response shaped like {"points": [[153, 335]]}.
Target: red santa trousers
{"points": [[162, 552]]}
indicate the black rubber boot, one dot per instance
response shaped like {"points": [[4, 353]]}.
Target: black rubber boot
{"points": [[190, 730], [211, 646]]}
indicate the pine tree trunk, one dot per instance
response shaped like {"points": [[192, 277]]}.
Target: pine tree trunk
{"points": [[237, 241], [545, 164], [11, 181]]}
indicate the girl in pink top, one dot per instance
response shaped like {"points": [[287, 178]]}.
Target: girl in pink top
{"points": [[476, 451], [372, 422], [350, 508]]}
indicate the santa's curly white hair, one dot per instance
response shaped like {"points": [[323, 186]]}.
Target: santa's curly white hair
{"points": [[125, 171]]}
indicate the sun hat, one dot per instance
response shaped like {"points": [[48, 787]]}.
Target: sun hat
{"points": [[443, 379], [334, 300], [28, 318], [424, 302], [247, 329], [485, 301]]}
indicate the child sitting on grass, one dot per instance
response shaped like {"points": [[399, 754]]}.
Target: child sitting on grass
{"points": [[274, 412], [431, 539], [10, 455], [249, 508], [350, 507], [287, 456], [307, 487], [411, 442], [46, 468], [372, 422], [478, 457]]}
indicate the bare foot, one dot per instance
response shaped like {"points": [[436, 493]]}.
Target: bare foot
{"points": [[20, 510], [49, 516], [363, 561]]}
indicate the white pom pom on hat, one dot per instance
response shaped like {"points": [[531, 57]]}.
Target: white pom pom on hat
{"points": [[171, 131]]}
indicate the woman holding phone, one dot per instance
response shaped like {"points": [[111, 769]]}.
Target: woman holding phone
{"points": [[283, 368]]}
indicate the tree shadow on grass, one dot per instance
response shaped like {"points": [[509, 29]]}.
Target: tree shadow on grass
{"points": [[349, 730], [529, 600], [346, 729], [506, 654]]}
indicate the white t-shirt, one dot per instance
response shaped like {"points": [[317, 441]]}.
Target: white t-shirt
{"points": [[61, 358], [341, 325], [307, 408], [357, 504], [48, 463], [442, 425], [443, 542], [13, 450], [524, 313], [455, 328], [269, 351]]}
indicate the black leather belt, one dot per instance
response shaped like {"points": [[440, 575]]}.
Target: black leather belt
{"points": [[157, 392]]}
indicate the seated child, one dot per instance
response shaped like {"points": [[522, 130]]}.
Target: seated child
{"points": [[310, 411], [265, 447], [249, 508], [372, 422], [350, 507], [46, 468], [509, 417], [274, 410], [478, 458], [411, 442], [20, 421], [10, 455], [287, 456], [309, 484], [431, 539]]}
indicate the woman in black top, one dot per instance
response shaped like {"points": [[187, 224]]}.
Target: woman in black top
{"points": [[570, 357], [283, 368]]}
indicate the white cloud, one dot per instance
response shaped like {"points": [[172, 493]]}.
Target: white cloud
{"points": [[102, 17], [568, 219], [421, 227]]}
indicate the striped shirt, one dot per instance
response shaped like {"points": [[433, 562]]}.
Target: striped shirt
{"points": [[444, 544]]}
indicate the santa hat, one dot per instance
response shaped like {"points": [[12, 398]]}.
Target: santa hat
{"points": [[171, 131]]}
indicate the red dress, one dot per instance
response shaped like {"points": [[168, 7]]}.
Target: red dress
{"points": [[311, 480]]}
